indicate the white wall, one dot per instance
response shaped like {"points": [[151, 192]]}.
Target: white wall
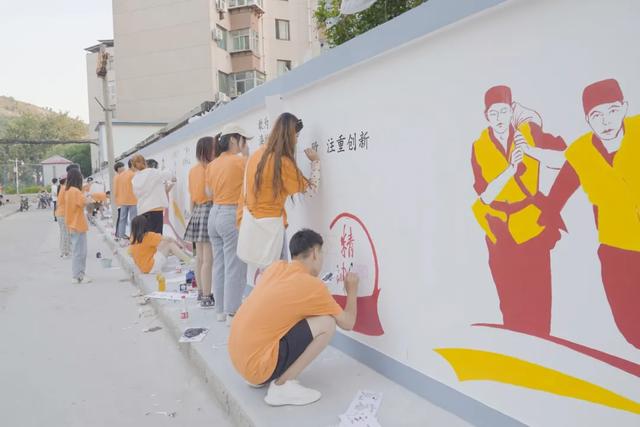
{"points": [[422, 106], [126, 136]]}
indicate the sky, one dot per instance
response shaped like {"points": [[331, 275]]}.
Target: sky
{"points": [[42, 57]]}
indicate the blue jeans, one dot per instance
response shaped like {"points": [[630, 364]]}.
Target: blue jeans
{"points": [[78, 254], [229, 272], [125, 215]]}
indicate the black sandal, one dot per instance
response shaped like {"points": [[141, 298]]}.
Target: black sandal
{"points": [[207, 302]]}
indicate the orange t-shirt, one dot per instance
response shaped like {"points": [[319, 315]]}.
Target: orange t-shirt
{"points": [[265, 206], [99, 197], [74, 214], [285, 294], [144, 252], [224, 178], [60, 204], [124, 190], [197, 182]]}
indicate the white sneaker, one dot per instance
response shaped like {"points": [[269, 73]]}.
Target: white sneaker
{"points": [[221, 317], [254, 385], [82, 280], [229, 319], [290, 393]]}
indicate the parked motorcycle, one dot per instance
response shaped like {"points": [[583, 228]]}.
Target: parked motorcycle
{"points": [[24, 203]]}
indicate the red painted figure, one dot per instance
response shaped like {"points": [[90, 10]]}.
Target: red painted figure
{"points": [[606, 164], [506, 161]]}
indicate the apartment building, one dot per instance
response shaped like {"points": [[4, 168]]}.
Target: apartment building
{"points": [[172, 55]]}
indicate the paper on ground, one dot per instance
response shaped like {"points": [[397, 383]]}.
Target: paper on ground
{"points": [[174, 296], [197, 338], [358, 420], [362, 410], [365, 401]]}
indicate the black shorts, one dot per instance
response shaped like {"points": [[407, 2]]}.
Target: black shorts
{"points": [[292, 345], [154, 221]]}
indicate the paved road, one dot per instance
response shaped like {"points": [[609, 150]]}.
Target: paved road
{"points": [[75, 355]]}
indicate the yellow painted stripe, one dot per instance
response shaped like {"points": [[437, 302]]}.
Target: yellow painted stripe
{"points": [[178, 214], [478, 365]]}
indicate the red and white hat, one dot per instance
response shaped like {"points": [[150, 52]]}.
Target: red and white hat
{"points": [[497, 94], [602, 92]]}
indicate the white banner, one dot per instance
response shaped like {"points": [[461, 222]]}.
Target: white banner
{"points": [[350, 7]]}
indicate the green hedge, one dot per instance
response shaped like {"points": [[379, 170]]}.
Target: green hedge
{"points": [[32, 189]]}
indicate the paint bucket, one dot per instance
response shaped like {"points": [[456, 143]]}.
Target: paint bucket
{"points": [[106, 262]]}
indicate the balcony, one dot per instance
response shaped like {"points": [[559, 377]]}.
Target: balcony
{"points": [[245, 40], [254, 4]]}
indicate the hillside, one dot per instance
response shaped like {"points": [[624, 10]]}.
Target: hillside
{"points": [[10, 107], [21, 120]]}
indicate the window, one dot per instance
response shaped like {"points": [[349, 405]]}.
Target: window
{"points": [[220, 36], [241, 3], [282, 29], [243, 40], [223, 82], [283, 66], [245, 81]]}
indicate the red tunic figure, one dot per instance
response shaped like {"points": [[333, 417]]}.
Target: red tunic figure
{"points": [[606, 164], [506, 161]]}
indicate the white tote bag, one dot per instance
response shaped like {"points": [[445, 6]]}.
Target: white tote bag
{"points": [[260, 240]]}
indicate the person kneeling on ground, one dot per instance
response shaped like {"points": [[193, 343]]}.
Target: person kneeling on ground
{"points": [[150, 250], [287, 321]]}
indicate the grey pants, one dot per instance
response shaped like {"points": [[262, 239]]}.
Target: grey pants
{"points": [[78, 254], [65, 243], [229, 272], [126, 215]]}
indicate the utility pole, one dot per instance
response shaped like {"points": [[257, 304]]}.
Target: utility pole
{"points": [[101, 71], [17, 179]]}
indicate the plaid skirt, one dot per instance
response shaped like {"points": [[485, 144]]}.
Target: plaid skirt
{"points": [[197, 228]]}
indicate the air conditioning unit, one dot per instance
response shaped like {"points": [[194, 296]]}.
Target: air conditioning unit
{"points": [[218, 34], [221, 5], [221, 97]]}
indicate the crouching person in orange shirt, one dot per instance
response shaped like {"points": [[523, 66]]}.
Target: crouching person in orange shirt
{"points": [[75, 203], [150, 250], [287, 321]]}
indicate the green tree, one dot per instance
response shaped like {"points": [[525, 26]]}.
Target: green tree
{"points": [[349, 26], [77, 153], [40, 126]]}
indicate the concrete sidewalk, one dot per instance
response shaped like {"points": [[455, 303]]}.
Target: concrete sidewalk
{"points": [[76, 355], [335, 374], [8, 209]]}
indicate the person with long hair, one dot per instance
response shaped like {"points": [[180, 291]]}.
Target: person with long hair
{"points": [[65, 243], [224, 178], [149, 249], [150, 186], [273, 175], [75, 203], [197, 230]]}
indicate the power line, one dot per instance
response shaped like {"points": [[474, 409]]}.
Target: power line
{"points": [[5, 141]]}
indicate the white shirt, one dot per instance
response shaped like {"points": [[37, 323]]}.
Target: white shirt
{"points": [[148, 187], [54, 192]]}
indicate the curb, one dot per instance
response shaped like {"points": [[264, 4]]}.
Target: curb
{"points": [[229, 403]]}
